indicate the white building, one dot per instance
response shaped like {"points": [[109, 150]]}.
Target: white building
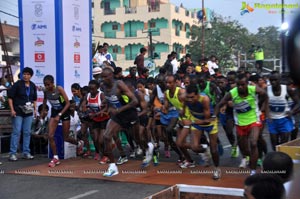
{"points": [[126, 25]]}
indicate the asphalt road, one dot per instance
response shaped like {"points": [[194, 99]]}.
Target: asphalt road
{"points": [[14, 186]]}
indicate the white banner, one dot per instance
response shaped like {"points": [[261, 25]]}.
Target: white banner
{"points": [[76, 43], [38, 49]]}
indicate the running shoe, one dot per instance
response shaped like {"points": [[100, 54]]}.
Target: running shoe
{"points": [[252, 172], [132, 154], [86, 154], [248, 160], [217, 174], [234, 152], [155, 160], [54, 162], [139, 151], [104, 160], [243, 164], [122, 160], [188, 164], [259, 162], [80, 147], [112, 171], [96, 156]]}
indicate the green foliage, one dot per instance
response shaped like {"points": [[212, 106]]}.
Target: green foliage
{"points": [[228, 37]]}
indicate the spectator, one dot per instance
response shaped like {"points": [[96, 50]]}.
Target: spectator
{"points": [[188, 62], [281, 164], [167, 65], [39, 131], [263, 186], [212, 65], [174, 62], [259, 58], [118, 73], [139, 60], [22, 98]]}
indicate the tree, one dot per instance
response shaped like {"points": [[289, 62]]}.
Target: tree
{"points": [[228, 37]]}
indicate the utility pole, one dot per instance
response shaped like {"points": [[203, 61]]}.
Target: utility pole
{"points": [[202, 28], [282, 38], [150, 50]]}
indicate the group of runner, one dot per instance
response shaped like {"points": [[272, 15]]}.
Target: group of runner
{"points": [[169, 109]]}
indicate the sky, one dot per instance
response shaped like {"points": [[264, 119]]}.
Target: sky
{"points": [[252, 21], [227, 8]]}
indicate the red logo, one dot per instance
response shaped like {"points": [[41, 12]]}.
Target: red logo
{"points": [[76, 58], [39, 57]]}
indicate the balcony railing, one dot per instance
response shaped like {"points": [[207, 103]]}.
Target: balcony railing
{"points": [[109, 12], [130, 10], [110, 34], [130, 33]]}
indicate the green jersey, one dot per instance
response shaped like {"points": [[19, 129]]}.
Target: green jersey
{"points": [[245, 108]]}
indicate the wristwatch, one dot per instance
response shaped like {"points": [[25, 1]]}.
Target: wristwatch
{"points": [[59, 114]]}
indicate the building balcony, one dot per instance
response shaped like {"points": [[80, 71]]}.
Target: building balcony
{"points": [[130, 10], [109, 12]]}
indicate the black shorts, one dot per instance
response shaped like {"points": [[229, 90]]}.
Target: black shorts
{"points": [[144, 120], [64, 117], [126, 119], [99, 125]]}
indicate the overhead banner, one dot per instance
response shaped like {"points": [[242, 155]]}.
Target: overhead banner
{"points": [[37, 38], [55, 39]]}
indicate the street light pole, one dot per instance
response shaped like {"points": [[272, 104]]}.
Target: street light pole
{"points": [[282, 38], [202, 28]]}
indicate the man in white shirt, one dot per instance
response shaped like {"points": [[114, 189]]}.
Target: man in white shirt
{"points": [[212, 65], [174, 62], [100, 56]]}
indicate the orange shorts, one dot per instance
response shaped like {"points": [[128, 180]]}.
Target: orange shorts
{"points": [[245, 130]]}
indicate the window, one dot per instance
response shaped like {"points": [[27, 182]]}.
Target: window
{"points": [[115, 49], [115, 27], [152, 24]]}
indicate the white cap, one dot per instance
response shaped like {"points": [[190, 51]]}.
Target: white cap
{"points": [[97, 70]]}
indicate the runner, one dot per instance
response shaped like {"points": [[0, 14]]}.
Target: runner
{"points": [[59, 101], [201, 121], [280, 121], [246, 115], [122, 103]]}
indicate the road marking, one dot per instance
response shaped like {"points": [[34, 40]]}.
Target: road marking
{"points": [[84, 194]]}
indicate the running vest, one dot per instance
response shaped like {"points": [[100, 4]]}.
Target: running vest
{"points": [[196, 110], [94, 103], [278, 105], [174, 100], [55, 99], [114, 100], [245, 109]]}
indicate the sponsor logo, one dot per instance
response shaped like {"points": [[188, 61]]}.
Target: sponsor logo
{"points": [[39, 42], [76, 58], [246, 8], [38, 10], [38, 26], [39, 57], [76, 44], [76, 28], [76, 74], [76, 13], [39, 74]]}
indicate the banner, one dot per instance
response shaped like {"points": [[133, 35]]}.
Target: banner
{"points": [[55, 39], [37, 39]]}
